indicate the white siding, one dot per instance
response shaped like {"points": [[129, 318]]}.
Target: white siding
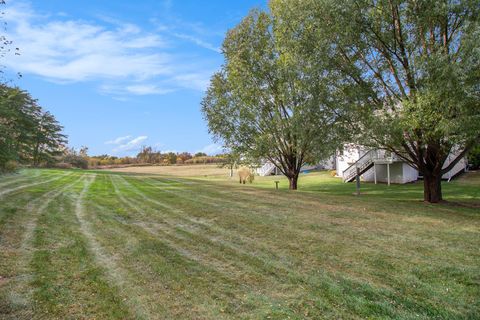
{"points": [[409, 174], [348, 156], [400, 172]]}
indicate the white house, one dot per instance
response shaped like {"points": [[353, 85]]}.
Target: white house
{"points": [[377, 165], [374, 165]]}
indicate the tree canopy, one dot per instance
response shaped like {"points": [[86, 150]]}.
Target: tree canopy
{"points": [[410, 69], [28, 134], [267, 103]]}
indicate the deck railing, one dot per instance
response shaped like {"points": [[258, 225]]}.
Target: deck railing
{"points": [[364, 162]]}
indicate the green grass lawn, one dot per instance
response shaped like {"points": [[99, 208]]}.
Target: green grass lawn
{"points": [[101, 245]]}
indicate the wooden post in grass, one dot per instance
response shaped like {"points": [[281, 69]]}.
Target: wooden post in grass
{"points": [[357, 178], [276, 184], [388, 173]]}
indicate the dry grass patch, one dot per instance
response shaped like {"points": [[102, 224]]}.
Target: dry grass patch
{"points": [[198, 170]]}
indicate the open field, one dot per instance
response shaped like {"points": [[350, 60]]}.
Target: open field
{"points": [[198, 170], [104, 245]]}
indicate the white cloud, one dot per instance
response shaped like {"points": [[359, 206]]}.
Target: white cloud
{"points": [[198, 41], [120, 91], [74, 50], [130, 144], [194, 81], [143, 89], [118, 140], [211, 149], [120, 56]]}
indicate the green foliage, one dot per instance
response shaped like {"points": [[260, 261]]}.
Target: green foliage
{"points": [[9, 166], [266, 103], [200, 154], [410, 69], [149, 156], [474, 157], [205, 160], [27, 133], [171, 158], [77, 159], [48, 140]]}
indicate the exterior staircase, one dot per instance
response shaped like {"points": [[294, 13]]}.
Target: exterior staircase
{"points": [[267, 169], [363, 164]]}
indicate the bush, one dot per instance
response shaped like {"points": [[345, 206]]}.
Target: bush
{"points": [[76, 161], [204, 160], [9, 166], [62, 165]]}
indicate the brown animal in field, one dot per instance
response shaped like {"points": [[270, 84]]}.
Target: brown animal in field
{"points": [[245, 174]]}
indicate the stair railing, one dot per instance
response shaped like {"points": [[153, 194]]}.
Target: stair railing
{"points": [[362, 163], [266, 169]]}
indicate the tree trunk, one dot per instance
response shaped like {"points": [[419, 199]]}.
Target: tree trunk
{"points": [[35, 155], [293, 179], [432, 188]]}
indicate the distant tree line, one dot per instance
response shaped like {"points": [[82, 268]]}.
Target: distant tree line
{"points": [[29, 135], [149, 156]]}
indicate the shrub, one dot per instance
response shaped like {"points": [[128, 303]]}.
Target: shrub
{"points": [[76, 161], [9, 166], [62, 165], [204, 160]]}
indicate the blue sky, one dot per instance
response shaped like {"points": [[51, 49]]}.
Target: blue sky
{"points": [[121, 74]]}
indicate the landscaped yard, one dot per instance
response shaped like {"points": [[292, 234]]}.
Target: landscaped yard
{"points": [[101, 245]]}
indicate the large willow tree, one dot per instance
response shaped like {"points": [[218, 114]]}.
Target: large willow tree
{"points": [[412, 68], [267, 103]]}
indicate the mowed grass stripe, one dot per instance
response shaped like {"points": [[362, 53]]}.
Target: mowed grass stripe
{"points": [[25, 200], [139, 250], [18, 177], [170, 275], [381, 255], [18, 294], [179, 234], [185, 224], [364, 221], [214, 233], [32, 184], [222, 248], [68, 282], [193, 250], [23, 176], [230, 217], [116, 274], [15, 233]]}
